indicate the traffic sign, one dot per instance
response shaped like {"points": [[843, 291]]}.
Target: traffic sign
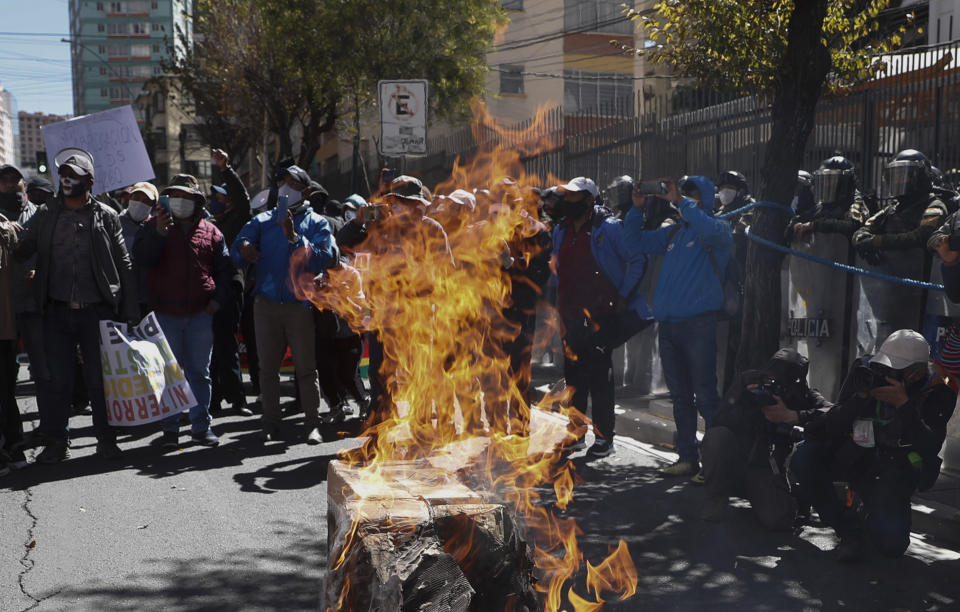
{"points": [[403, 117]]}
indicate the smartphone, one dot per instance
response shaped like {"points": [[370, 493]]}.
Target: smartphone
{"points": [[652, 187], [164, 203], [283, 205]]}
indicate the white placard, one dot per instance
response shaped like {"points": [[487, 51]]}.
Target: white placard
{"points": [[403, 117], [112, 137]]}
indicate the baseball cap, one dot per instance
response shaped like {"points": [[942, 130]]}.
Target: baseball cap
{"points": [[298, 174], [581, 183], [901, 349], [81, 163], [464, 198], [147, 189], [219, 189], [38, 183], [5, 168], [354, 201]]}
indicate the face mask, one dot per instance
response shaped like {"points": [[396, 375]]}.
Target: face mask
{"points": [[727, 196], [71, 187], [11, 200], [182, 208], [138, 211], [293, 196], [349, 215], [217, 207]]}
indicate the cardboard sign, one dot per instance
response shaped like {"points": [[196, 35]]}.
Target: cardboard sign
{"points": [[112, 137], [142, 380], [403, 117]]}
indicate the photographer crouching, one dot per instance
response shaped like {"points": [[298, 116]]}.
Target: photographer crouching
{"points": [[754, 431], [883, 439]]}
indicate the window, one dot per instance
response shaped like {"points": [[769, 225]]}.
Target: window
{"points": [[154, 5], [511, 79], [117, 50], [160, 137], [159, 103], [117, 7], [100, 6], [117, 29], [596, 16], [156, 27], [103, 70], [140, 29], [199, 169], [116, 93], [140, 71], [104, 93], [157, 70], [607, 93], [513, 5], [101, 49], [140, 50], [138, 7], [100, 27], [156, 48]]}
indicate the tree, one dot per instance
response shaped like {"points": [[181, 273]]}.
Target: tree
{"points": [[299, 65], [793, 51]]}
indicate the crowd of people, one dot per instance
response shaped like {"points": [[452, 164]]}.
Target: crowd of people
{"points": [[641, 254]]}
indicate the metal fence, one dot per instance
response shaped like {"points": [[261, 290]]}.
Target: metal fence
{"points": [[915, 103]]}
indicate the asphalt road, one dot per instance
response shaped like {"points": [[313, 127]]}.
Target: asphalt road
{"points": [[243, 527]]}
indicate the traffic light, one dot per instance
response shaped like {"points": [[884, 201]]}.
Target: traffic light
{"points": [[42, 165]]}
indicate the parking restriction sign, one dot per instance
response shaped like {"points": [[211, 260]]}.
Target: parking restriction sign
{"points": [[403, 117]]}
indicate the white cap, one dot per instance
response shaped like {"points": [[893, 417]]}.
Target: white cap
{"points": [[464, 198], [903, 348], [581, 183]]}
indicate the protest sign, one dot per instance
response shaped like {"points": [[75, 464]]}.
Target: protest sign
{"points": [[112, 137], [142, 380]]}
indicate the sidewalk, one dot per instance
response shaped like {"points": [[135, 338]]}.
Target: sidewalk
{"points": [[649, 419]]}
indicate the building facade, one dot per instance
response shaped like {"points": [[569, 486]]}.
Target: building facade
{"points": [[9, 152], [31, 140], [117, 46]]}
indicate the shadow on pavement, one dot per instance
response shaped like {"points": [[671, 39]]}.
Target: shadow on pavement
{"points": [[685, 563], [288, 575]]}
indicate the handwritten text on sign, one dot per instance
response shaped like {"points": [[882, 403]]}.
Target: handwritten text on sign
{"points": [[142, 380]]}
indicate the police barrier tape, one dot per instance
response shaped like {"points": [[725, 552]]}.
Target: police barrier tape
{"points": [[909, 282]]}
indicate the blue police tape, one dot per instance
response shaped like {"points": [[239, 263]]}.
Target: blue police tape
{"points": [[909, 282], [743, 209]]}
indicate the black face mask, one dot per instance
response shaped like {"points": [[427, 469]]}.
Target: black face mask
{"points": [[11, 201], [573, 210]]}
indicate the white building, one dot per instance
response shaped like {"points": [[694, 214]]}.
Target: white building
{"points": [[9, 143]]}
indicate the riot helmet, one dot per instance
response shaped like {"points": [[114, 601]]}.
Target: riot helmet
{"points": [[620, 193], [835, 181], [908, 173]]}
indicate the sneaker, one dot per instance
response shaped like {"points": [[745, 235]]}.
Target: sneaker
{"points": [[108, 449], [314, 437], [577, 445], [270, 434], [698, 478], [335, 416], [170, 440], [207, 438], [54, 453], [680, 468], [600, 448]]}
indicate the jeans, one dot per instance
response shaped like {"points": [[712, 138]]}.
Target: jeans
{"points": [[63, 329], [191, 340], [588, 368], [688, 354], [885, 497]]}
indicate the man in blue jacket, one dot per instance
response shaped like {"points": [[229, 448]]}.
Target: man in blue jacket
{"points": [[597, 280], [271, 240], [688, 296]]}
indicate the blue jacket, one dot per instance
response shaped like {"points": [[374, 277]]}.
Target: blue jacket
{"points": [[688, 285], [624, 269], [273, 267]]}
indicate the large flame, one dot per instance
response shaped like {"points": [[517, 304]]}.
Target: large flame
{"points": [[437, 306]]}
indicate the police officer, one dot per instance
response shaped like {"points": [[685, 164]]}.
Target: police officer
{"points": [[839, 206]]}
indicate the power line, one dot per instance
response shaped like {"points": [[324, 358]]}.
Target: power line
{"points": [[548, 75]]}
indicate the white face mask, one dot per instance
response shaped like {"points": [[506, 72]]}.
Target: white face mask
{"points": [[293, 196], [70, 186], [727, 196], [138, 211], [182, 208], [349, 215]]}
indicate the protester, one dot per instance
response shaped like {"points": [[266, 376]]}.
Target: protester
{"points": [[83, 276], [745, 450], [188, 274], [883, 438], [230, 210], [688, 296], [39, 190], [597, 280], [142, 199], [271, 241], [11, 425]]}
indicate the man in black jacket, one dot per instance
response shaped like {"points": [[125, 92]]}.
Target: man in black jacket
{"points": [[883, 438], [230, 207], [753, 433], [83, 276]]}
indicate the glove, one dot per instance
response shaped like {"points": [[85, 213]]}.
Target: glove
{"points": [[869, 252]]}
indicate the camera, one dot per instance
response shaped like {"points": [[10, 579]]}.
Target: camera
{"points": [[652, 187], [764, 392], [866, 377]]}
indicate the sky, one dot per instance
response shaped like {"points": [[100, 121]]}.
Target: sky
{"points": [[34, 64]]}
